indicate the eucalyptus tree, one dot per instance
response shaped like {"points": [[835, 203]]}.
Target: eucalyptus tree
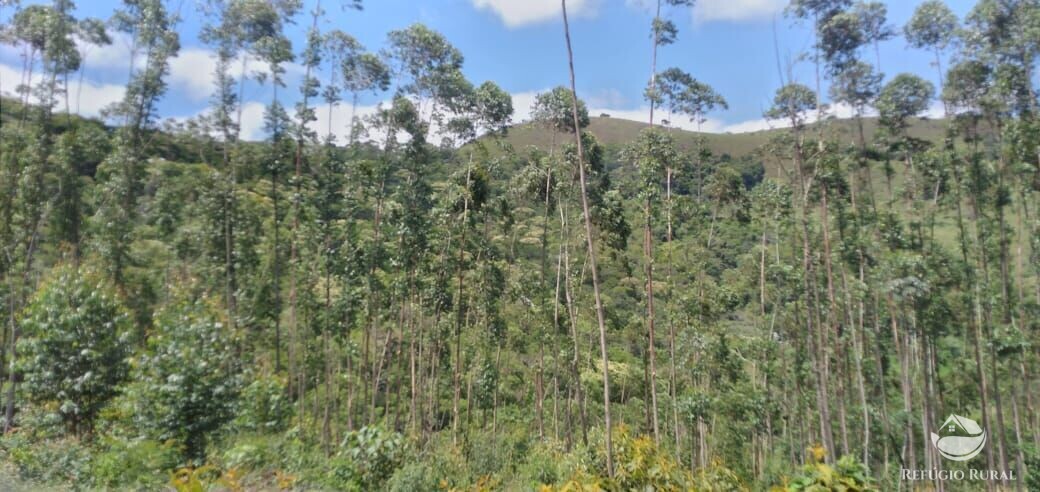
{"points": [[681, 93], [543, 180], [903, 98], [552, 110], [486, 108], [241, 30], [273, 47], [967, 95], [591, 248], [331, 220], [73, 147], [61, 55], [48, 32], [840, 37], [652, 153], [151, 28], [820, 13], [857, 85], [982, 92], [934, 27], [429, 67], [662, 32], [362, 72], [5, 28], [873, 20], [1002, 35], [793, 102]]}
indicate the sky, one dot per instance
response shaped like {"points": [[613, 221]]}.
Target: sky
{"points": [[739, 47]]}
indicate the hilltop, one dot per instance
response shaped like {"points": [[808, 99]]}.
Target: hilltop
{"points": [[618, 131]]}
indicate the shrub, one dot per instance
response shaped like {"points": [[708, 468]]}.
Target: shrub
{"points": [[186, 385], [76, 345], [46, 461], [136, 464], [264, 406], [366, 459], [846, 475]]}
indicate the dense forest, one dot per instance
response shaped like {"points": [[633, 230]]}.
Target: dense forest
{"points": [[432, 304]]}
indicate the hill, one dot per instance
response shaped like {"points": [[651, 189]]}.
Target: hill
{"points": [[618, 131]]}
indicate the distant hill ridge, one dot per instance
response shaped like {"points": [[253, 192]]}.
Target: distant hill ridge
{"points": [[618, 131]]}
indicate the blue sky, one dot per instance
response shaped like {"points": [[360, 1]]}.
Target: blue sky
{"points": [[728, 44]]}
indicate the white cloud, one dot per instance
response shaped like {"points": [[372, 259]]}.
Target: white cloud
{"points": [[715, 125], [252, 127], [192, 71], [114, 56], [87, 98], [607, 98], [522, 102], [253, 121], [516, 13], [736, 10]]}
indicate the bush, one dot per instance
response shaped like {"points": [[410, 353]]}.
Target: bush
{"points": [[542, 467], [264, 406], [846, 475], [137, 464], [75, 346], [47, 461], [186, 385], [414, 476], [440, 466], [641, 465], [366, 459]]}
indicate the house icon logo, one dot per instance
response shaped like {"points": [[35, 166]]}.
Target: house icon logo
{"points": [[959, 438]]}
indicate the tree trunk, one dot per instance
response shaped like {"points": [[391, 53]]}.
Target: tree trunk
{"points": [[591, 249]]}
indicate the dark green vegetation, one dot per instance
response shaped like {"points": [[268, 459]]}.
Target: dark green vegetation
{"points": [[576, 303]]}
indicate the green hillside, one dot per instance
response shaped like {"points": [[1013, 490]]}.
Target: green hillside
{"points": [[618, 132]]}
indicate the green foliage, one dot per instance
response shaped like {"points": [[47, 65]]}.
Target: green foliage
{"points": [[186, 385], [905, 96], [641, 465], [847, 475], [57, 461], [554, 109], [263, 406], [137, 464], [366, 459], [792, 101], [933, 26], [74, 354]]}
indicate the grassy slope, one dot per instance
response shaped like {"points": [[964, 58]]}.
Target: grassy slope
{"points": [[616, 131]]}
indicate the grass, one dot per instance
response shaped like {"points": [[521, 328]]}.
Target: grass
{"points": [[618, 132]]}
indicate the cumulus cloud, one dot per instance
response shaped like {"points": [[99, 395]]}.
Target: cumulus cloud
{"points": [[87, 98], [716, 125], [192, 71], [522, 103], [517, 13], [253, 120], [736, 10]]}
